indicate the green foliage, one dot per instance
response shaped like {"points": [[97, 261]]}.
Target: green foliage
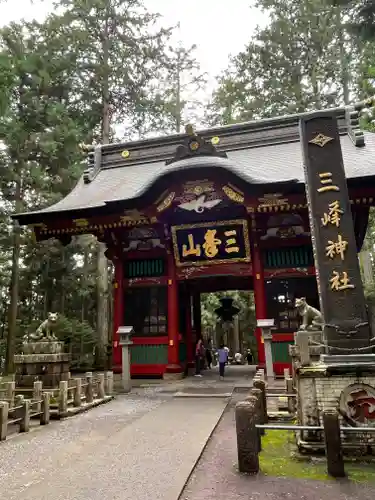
{"points": [[79, 336], [87, 68], [243, 300], [363, 20], [303, 60]]}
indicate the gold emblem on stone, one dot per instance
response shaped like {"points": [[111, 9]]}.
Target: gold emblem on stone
{"points": [[194, 145], [321, 140], [215, 141], [125, 154]]}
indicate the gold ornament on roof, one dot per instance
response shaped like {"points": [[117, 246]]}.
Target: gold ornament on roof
{"points": [[125, 154], [321, 140]]}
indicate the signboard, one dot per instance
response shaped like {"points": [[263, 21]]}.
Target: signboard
{"points": [[337, 270], [211, 243]]}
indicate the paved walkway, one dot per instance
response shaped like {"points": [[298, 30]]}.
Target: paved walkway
{"points": [[130, 449], [216, 476]]}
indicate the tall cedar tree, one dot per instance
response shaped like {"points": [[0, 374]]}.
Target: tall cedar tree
{"points": [[119, 50], [302, 60], [363, 16], [38, 134]]}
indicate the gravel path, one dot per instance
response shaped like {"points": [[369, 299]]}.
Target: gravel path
{"points": [[215, 477], [133, 448]]}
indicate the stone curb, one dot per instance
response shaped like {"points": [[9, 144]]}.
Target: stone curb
{"points": [[200, 395], [81, 409]]}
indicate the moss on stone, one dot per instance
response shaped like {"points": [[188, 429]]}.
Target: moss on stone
{"points": [[276, 459]]}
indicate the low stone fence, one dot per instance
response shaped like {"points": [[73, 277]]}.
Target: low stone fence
{"points": [[21, 412], [252, 422], [20, 405], [84, 392], [284, 398]]}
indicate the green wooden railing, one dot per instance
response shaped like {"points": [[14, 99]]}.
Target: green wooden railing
{"points": [[146, 354], [289, 257], [144, 268]]}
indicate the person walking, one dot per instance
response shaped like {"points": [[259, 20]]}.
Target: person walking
{"points": [[199, 355], [249, 357], [223, 358]]}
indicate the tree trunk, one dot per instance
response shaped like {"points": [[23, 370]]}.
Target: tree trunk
{"points": [[62, 292], [14, 286], [344, 63], [178, 96], [101, 261]]}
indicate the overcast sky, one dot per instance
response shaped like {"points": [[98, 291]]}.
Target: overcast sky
{"points": [[218, 27]]}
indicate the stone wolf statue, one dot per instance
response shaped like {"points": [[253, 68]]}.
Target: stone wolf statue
{"points": [[312, 319], [45, 331]]}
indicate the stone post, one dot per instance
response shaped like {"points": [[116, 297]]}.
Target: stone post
{"points": [[101, 391], [290, 390], [124, 333], [261, 385], [77, 398], [45, 411], [4, 409], [332, 436], [108, 377], [89, 388], [37, 394], [25, 416], [247, 437], [11, 387], [63, 397], [302, 341], [257, 393]]}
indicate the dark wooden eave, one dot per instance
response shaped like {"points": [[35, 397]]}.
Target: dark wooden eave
{"points": [[264, 155]]}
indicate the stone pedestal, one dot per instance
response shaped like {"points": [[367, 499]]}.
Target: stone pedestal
{"points": [[310, 342], [45, 361], [340, 383]]}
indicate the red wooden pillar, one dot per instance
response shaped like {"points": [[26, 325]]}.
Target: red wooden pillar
{"points": [[173, 365], [259, 297], [197, 314], [118, 312], [189, 332]]}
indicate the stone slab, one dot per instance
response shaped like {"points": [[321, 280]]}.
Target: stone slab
{"points": [[347, 358], [47, 347], [41, 358]]}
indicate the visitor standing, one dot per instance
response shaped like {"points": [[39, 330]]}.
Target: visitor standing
{"points": [[199, 356], [223, 358]]}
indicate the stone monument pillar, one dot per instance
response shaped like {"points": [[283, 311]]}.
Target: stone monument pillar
{"points": [[343, 379], [342, 301], [124, 334]]}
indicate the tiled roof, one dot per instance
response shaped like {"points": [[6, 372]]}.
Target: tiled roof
{"points": [[258, 155]]}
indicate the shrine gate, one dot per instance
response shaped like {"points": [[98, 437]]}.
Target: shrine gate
{"points": [[223, 209]]}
